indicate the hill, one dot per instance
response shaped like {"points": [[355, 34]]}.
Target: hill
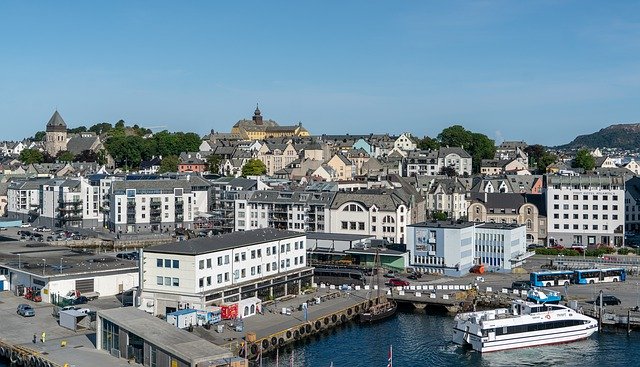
{"points": [[623, 136]]}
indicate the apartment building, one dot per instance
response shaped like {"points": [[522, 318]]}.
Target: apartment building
{"points": [[586, 210], [276, 156], [151, 205], [299, 211], [431, 162], [632, 205], [70, 203], [262, 263], [443, 195], [452, 248], [23, 199]]}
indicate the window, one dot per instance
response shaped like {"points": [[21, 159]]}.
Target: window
{"points": [[209, 280], [201, 282], [268, 267], [253, 254], [352, 225], [226, 259], [244, 256], [595, 197], [226, 276], [614, 207], [243, 273], [273, 250], [159, 263], [344, 225], [176, 282], [159, 280], [259, 252], [236, 258], [268, 251], [595, 207], [556, 197], [274, 266], [253, 270], [585, 197], [288, 247], [220, 278], [361, 226], [595, 227], [615, 197], [176, 264], [201, 264], [281, 248], [219, 262], [167, 281]]}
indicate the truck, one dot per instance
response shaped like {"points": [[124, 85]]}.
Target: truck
{"points": [[74, 294]]}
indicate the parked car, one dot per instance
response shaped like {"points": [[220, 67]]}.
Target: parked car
{"points": [[390, 274], [608, 300], [25, 225], [413, 277], [67, 308], [521, 285], [395, 282], [80, 300], [26, 310]]}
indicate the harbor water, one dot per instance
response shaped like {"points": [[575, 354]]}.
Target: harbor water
{"points": [[422, 339]]}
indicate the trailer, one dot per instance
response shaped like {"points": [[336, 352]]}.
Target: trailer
{"points": [[183, 318]]}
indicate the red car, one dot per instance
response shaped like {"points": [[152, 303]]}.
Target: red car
{"points": [[395, 282]]}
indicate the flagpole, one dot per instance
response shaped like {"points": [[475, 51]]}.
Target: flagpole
{"points": [[277, 357]]}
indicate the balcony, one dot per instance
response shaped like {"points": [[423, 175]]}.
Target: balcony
{"points": [[179, 218], [131, 219]]}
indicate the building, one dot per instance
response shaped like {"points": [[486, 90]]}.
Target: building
{"points": [[23, 199], [512, 150], [383, 213], [300, 211], [443, 194], [511, 208], [632, 205], [151, 205], [432, 162], [192, 162], [135, 335], [56, 273], [276, 156], [264, 263], [259, 129], [453, 248], [586, 210], [55, 135]]}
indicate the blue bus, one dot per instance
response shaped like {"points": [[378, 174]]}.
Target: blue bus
{"points": [[550, 278], [591, 276]]}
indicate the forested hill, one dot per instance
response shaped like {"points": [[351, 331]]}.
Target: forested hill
{"points": [[624, 136]]}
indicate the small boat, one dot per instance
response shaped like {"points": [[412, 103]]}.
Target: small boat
{"points": [[379, 312], [537, 295]]}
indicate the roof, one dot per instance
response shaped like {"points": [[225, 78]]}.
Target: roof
{"points": [[443, 224], [56, 123], [151, 184], [79, 144], [177, 342], [337, 236], [223, 242]]}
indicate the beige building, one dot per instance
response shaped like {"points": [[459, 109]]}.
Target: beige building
{"points": [[511, 208], [276, 156], [345, 169], [258, 129]]}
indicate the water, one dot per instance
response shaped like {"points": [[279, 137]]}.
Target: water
{"points": [[421, 339]]}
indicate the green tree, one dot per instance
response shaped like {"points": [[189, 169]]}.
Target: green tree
{"points": [[481, 148], [101, 128], [584, 160], [86, 156], [39, 136], [169, 164], [254, 167], [440, 215], [448, 171], [455, 136], [213, 162], [428, 143], [65, 156], [545, 160], [76, 130], [29, 156], [535, 152]]}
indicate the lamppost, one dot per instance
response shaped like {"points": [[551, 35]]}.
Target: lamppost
{"points": [[44, 265], [19, 263], [61, 265]]}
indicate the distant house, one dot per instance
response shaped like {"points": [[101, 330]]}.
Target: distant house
{"points": [[192, 162]]}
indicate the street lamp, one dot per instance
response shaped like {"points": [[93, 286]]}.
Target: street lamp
{"points": [[19, 263], [44, 265], [61, 265]]}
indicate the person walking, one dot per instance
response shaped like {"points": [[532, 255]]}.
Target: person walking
{"points": [[43, 336], [35, 339]]}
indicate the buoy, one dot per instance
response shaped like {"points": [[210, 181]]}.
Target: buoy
{"points": [[343, 318], [274, 341], [326, 321], [349, 311], [334, 318], [254, 349], [265, 344], [281, 341], [288, 334], [307, 328], [318, 324]]}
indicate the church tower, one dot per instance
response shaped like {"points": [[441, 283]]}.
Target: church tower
{"points": [[56, 135]]}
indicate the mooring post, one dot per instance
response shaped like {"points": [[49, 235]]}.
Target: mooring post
{"points": [[628, 322]]}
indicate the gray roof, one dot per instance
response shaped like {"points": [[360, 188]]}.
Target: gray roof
{"points": [[151, 184], [337, 236], [222, 242], [177, 342], [78, 144], [443, 224], [271, 196], [56, 120], [442, 152]]}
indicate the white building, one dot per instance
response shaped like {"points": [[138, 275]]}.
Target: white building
{"points": [[151, 205], [585, 210], [23, 199], [228, 268], [452, 248], [431, 162]]}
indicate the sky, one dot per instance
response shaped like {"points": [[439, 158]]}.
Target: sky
{"points": [[539, 71]]}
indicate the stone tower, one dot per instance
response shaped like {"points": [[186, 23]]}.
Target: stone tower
{"points": [[56, 137]]}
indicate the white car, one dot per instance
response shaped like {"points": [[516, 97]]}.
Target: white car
{"points": [[25, 225], [83, 310]]}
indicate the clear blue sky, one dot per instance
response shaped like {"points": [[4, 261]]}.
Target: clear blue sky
{"points": [[542, 71]]}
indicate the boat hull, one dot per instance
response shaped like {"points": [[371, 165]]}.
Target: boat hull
{"points": [[369, 317], [523, 340]]}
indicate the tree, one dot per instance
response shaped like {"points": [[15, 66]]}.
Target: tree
{"points": [[455, 136], [169, 164], [29, 156], [86, 156], [535, 152], [440, 215], [481, 148], [546, 160], [584, 160], [428, 143], [213, 162], [39, 136], [76, 130], [65, 156], [254, 167], [448, 171], [101, 128]]}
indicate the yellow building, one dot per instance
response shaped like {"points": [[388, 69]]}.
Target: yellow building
{"points": [[258, 129]]}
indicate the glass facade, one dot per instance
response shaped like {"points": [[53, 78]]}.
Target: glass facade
{"points": [[110, 335]]}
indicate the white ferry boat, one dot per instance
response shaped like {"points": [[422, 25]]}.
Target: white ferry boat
{"points": [[526, 324]]}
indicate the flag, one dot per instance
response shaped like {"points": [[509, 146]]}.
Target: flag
{"points": [[390, 360]]}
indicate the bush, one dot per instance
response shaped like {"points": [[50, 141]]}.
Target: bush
{"points": [[624, 251], [546, 251], [570, 252]]}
